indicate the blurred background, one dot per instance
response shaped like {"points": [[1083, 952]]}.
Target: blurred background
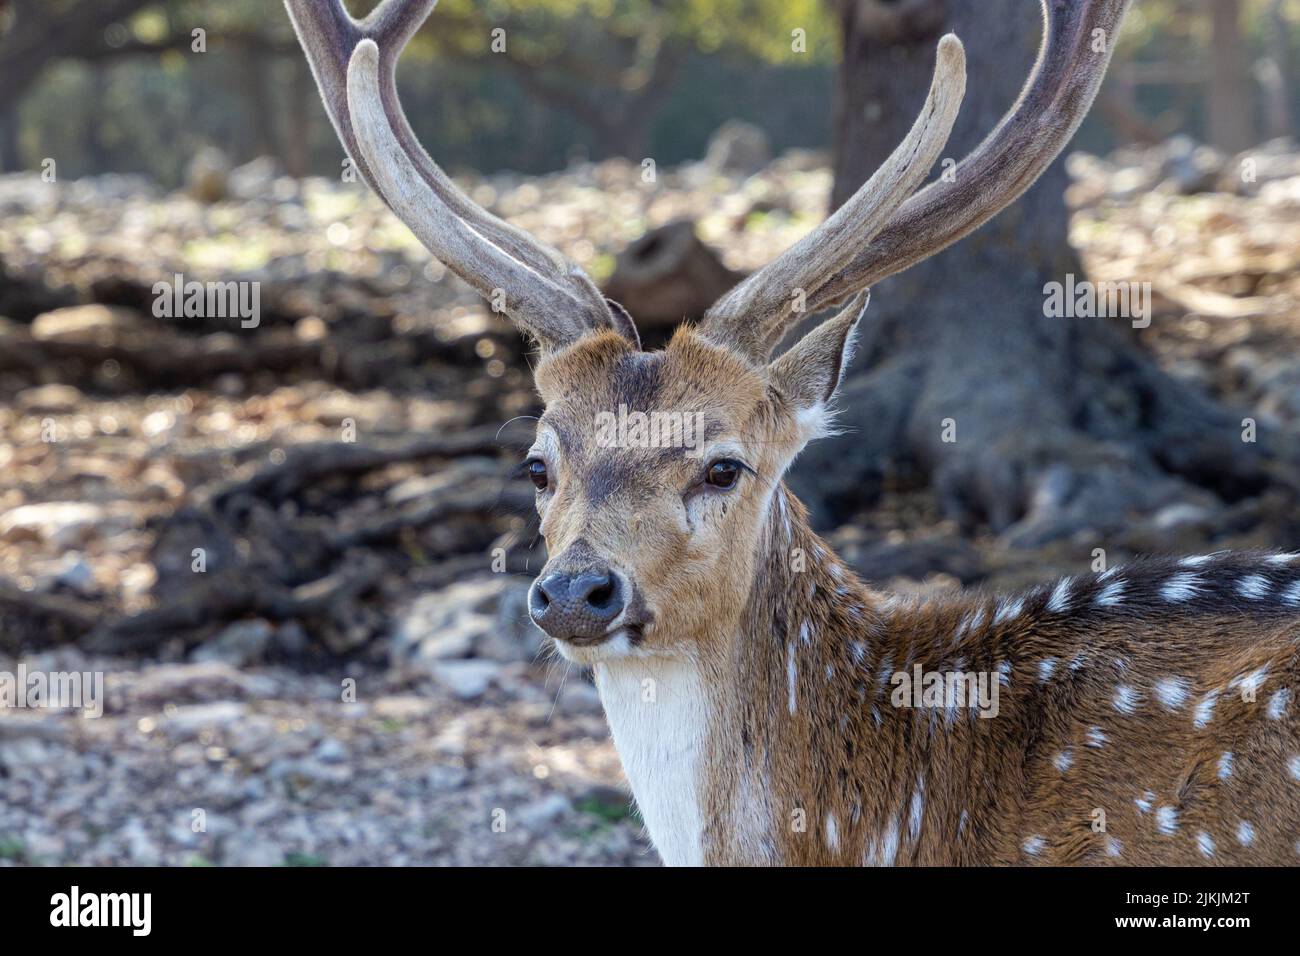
{"points": [[295, 546]]}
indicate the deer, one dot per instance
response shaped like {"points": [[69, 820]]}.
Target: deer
{"points": [[770, 707]]}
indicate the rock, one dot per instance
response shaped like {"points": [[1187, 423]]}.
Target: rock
{"points": [[205, 681], [290, 640], [255, 179], [1190, 168], [44, 847], [308, 771], [468, 680], [540, 813], [331, 750], [249, 848], [240, 644], [668, 275], [577, 696], [76, 573], [480, 617], [54, 399], [85, 324], [738, 147], [65, 523], [207, 178], [1181, 514], [140, 846], [189, 720]]}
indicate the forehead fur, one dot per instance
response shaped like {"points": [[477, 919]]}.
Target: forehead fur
{"points": [[601, 372]]}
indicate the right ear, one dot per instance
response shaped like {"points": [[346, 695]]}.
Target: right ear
{"points": [[810, 371], [621, 319]]}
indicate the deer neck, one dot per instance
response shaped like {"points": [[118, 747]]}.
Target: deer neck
{"points": [[721, 744]]}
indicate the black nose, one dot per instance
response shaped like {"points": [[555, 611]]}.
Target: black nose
{"points": [[577, 604]]}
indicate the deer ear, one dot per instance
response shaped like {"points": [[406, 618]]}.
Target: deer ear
{"points": [[809, 372], [623, 324]]}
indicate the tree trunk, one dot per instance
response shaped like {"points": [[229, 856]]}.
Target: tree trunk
{"points": [[1232, 109], [1041, 427], [1277, 72], [10, 162]]}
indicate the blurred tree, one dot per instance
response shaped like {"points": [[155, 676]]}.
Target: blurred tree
{"points": [[1275, 71], [612, 63], [1062, 424], [34, 34], [1231, 93]]}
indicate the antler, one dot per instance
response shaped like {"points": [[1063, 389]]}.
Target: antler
{"points": [[873, 236], [354, 63]]}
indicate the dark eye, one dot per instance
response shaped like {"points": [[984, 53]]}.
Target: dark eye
{"points": [[537, 472], [723, 474]]}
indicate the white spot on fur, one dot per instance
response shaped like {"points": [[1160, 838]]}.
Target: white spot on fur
{"points": [[1277, 704], [1126, 699], [1060, 598], [888, 849], [1109, 573], [1181, 587], [1034, 845], [1205, 843], [917, 810], [1046, 667], [1167, 820], [1292, 594], [805, 634], [660, 744], [962, 821], [1008, 608], [1197, 560], [1064, 760], [1110, 595], [1144, 802], [832, 834], [1225, 765], [1294, 767], [1253, 586], [1204, 712], [857, 650], [1284, 558], [792, 677], [1250, 684], [1172, 692], [1113, 847], [1245, 833], [1095, 737]]}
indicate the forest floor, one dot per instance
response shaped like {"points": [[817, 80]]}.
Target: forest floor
{"points": [[279, 544]]}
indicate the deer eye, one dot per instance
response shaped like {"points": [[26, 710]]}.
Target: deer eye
{"points": [[537, 473], [723, 474]]}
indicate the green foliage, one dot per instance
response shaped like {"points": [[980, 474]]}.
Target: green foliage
{"points": [[12, 849]]}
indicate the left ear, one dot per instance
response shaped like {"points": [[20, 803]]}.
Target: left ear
{"points": [[810, 371]]}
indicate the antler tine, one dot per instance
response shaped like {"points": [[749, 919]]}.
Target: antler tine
{"points": [[543, 292], [756, 314], [1078, 38]]}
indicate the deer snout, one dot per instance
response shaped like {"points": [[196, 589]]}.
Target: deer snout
{"points": [[577, 606]]}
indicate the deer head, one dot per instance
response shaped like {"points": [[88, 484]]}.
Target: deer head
{"points": [[654, 540]]}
